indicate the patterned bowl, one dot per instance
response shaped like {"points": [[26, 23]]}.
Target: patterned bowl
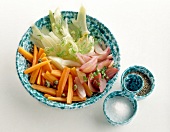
{"points": [[119, 107], [97, 29], [148, 79]]}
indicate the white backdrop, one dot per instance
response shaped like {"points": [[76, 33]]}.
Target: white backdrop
{"points": [[142, 30]]}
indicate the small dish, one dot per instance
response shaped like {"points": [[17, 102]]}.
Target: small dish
{"points": [[148, 79], [119, 108], [133, 83]]}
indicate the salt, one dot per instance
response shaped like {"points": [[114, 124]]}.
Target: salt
{"points": [[119, 109]]}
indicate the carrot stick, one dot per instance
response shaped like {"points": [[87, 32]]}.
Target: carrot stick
{"points": [[56, 73], [60, 99], [48, 66], [53, 67], [47, 95], [49, 77], [41, 51], [31, 69], [44, 89], [42, 55], [42, 81], [63, 80], [26, 54], [87, 90], [73, 72], [39, 76], [34, 61], [34, 76], [70, 89]]}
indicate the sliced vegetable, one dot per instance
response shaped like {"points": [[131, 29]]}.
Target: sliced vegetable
{"points": [[39, 77], [63, 80], [70, 89], [111, 71], [56, 73], [82, 76], [26, 54], [80, 89], [31, 69], [103, 63], [44, 89], [87, 90], [81, 21], [89, 66], [83, 58], [98, 49], [104, 56]]}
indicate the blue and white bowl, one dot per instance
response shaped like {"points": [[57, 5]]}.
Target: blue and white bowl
{"points": [[97, 29], [147, 77], [119, 107]]}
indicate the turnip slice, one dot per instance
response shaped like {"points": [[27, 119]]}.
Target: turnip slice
{"points": [[83, 58], [89, 66], [103, 63], [81, 76], [104, 56], [111, 71], [110, 56], [80, 89], [90, 86], [99, 50], [102, 84]]}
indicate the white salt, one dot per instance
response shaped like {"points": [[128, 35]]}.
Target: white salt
{"points": [[119, 109]]}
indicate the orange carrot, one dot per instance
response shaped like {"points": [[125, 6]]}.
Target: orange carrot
{"points": [[42, 81], [87, 89], [53, 67], [47, 95], [60, 99], [48, 66], [56, 73], [73, 72], [26, 54], [34, 76], [42, 55], [39, 77], [41, 51], [70, 89], [49, 77], [44, 89], [31, 69], [34, 61], [63, 80]]}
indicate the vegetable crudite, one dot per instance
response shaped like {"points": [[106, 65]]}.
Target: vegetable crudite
{"points": [[68, 61]]}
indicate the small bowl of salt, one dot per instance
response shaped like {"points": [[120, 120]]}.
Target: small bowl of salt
{"points": [[119, 107]]}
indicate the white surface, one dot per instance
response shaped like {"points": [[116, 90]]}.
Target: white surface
{"points": [[142, 30]]}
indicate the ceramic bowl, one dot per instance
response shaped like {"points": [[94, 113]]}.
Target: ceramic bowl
{"points": [[147, 76], [97, 29], [119, 107]]}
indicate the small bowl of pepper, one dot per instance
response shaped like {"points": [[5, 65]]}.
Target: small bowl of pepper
{"points": [[146, 76]]}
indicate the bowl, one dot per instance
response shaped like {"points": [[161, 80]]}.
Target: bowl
{"points": [[146, 75], [119, 107], [97, 29], [133, 83]]}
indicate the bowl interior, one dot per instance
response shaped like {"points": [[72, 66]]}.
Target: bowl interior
{"points": [[97, 30]]}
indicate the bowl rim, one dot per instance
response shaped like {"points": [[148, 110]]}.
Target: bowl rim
{"points": [[60, 105]]}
